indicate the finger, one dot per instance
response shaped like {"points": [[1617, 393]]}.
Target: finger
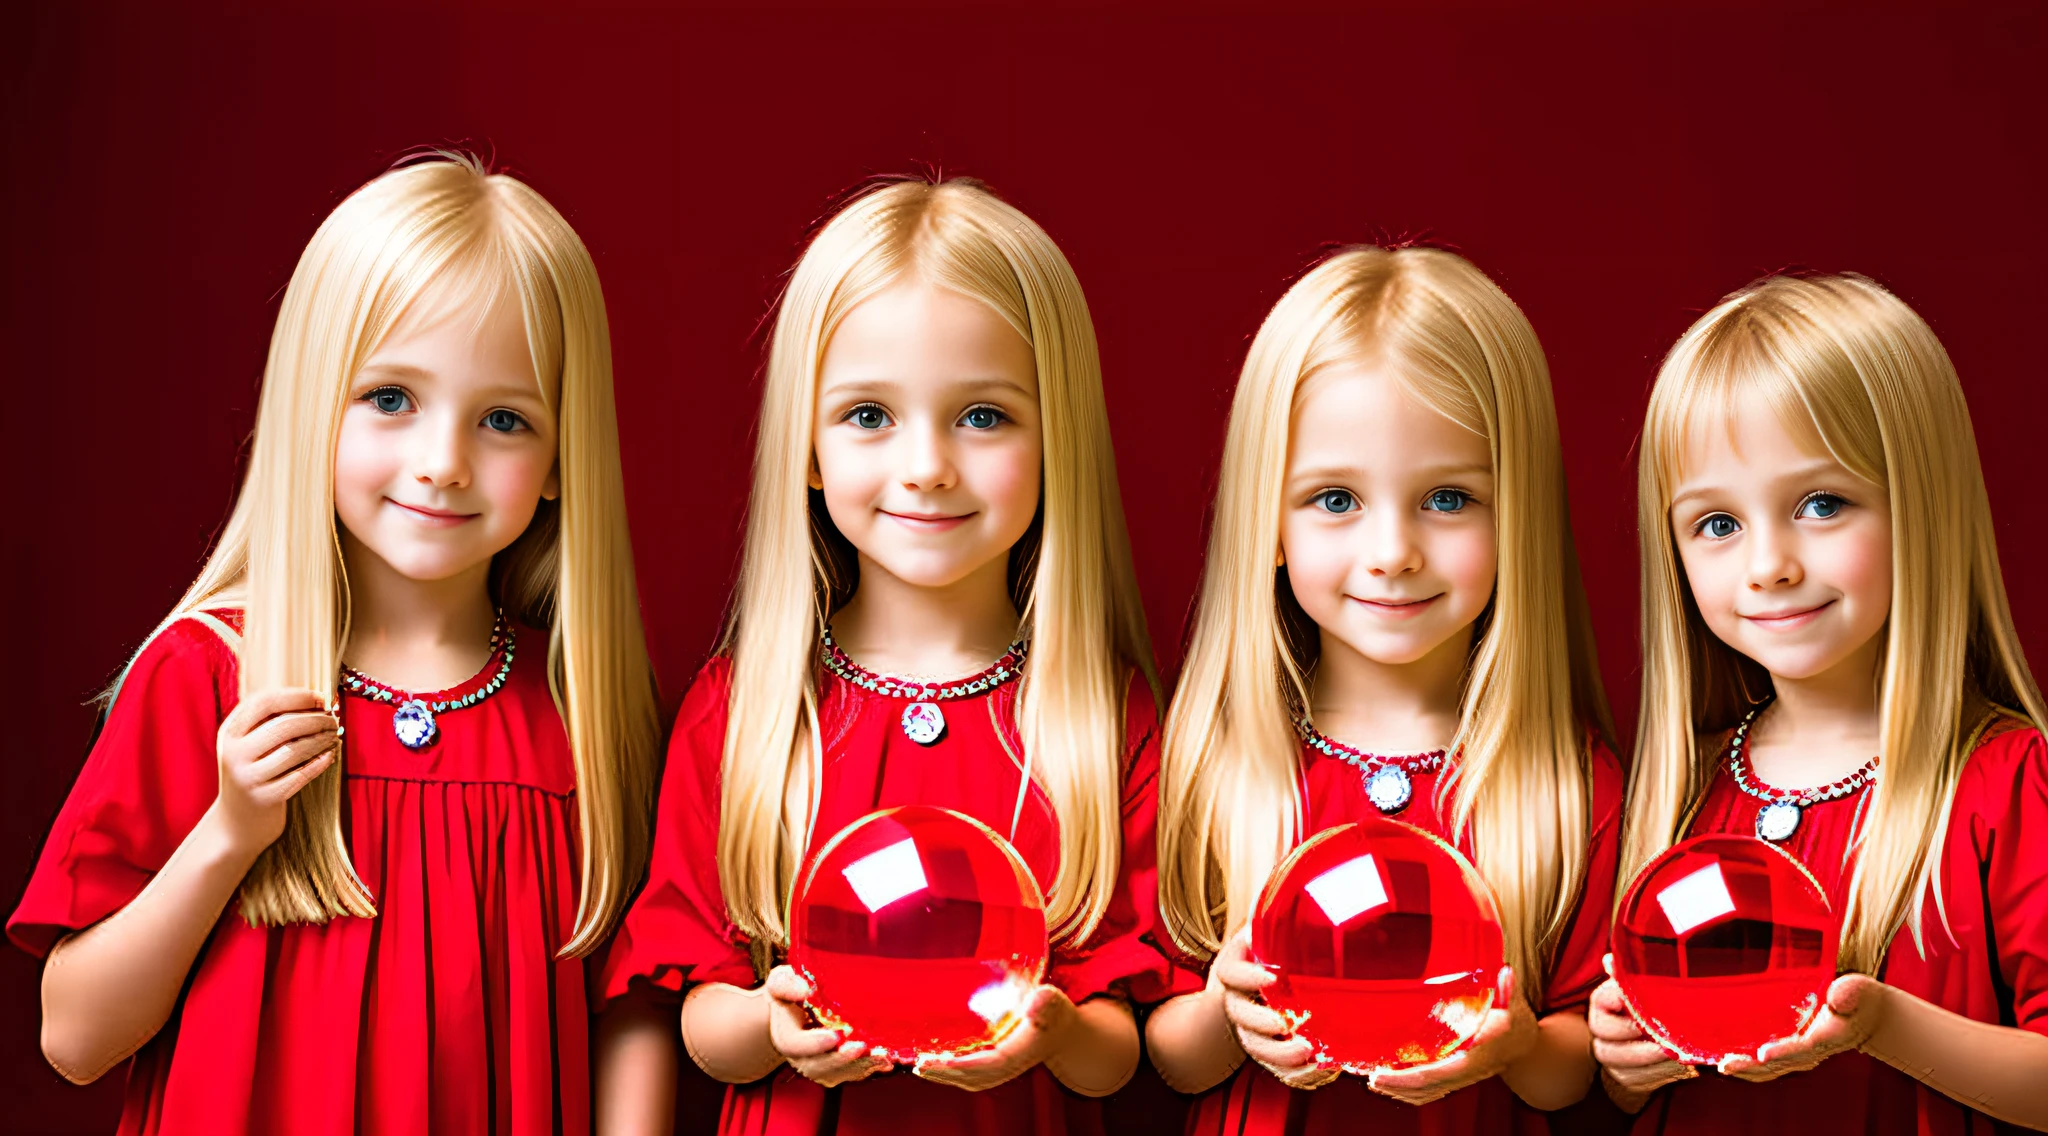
{"points": [[1494, 1026], [263, 704], [1291, 1054], [1260, 1019], [288, 786], [1607, 998], [1613, 1027], [1634, 1055], [786, 985], [1313, 1077], [1242, 976], [809, 1043], [288, 757], [284, 728], [1507, 986]]}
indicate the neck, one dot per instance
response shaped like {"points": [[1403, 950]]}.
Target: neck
{"points": [[417, 634], [897, 627], [1820, 727], [1389, 708]]}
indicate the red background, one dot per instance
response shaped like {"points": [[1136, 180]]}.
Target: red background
{"points": [[1616, 170]]}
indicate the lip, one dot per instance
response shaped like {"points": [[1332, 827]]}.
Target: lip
{"points": [[435, 518], [1396, 609], [1788, 620], [928, 522]]}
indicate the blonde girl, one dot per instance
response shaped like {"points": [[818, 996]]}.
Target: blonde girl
{"points": [[1822, 607], [293, 930], [1390, 590], [935, 501]]}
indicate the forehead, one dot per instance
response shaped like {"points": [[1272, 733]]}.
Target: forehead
{"points": [[1741, 429], [912, 330], [1370, 417]]}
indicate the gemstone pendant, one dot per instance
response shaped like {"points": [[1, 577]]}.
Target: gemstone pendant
{"points": [[1389, 789], [414, 724], [1777, 820], [923, 723]]}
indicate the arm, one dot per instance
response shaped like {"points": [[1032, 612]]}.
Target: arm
{"points": [[1558, 1069], [1192, 1043], [739, 1035], [633, 1081], [108, 989]]}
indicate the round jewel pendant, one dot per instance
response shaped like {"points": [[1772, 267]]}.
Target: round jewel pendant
{"points": [[1777, 820], [923, 723], [1389, 789], [414, 724]]}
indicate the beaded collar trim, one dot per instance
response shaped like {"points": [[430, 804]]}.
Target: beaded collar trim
{"points": [[414, 720], [1008, 668], [1388, 781], [1781, 813]]}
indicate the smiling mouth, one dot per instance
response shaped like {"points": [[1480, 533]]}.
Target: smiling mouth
{"points": [[928, 522], [438, 518], [1397, 609], [1786, 620]]}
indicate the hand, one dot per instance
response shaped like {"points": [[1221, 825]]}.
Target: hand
{"points": [[1855, 1004], [1631, 1065], [1265, 1033], [1048, 1014], [823, 1055], [270, 746], [1505, 1036]]}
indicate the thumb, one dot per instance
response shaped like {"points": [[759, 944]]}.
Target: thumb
{"points": [[1847, 992], [1507, 986]]}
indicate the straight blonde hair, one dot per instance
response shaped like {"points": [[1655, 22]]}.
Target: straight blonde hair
{"points": [[1845, 358], [429, 232], [1071, 574], [1230, 775]]}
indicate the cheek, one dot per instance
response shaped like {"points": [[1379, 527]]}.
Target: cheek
{"points": [[1317, 563], [1467, 559], [514, 477], [852, 477], [364, 462], [1858, 563], [1006, 478]]}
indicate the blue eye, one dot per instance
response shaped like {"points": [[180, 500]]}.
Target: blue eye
{"points": [[1336, 501], [390, 400], [1447, 501], [982, 418], [868, 417], [1718, 527], [1820, 506], [504, 421]]}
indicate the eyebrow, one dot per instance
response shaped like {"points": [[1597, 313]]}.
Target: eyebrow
{"points": [[1431, 472], [884, 386], [394, 371], [1817, 468]]}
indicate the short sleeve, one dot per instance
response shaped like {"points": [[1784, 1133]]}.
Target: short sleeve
{"points": [[1575, 968], [151, 775], [1120, 957], [677, 931], [2011, 837]]}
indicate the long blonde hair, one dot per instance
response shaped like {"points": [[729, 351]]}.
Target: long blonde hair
{"points": [[1229, 780], [1071, 574], [1849, 359], [410, 237]]}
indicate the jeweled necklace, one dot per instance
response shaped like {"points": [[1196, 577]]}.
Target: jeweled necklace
{"points": [[1783, 810], [922, 722], [413, 722], [1389, 783]]}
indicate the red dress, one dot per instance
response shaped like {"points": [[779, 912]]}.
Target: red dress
{"points": [[677, 932], [448, 1012], [1253, 1101], [1991, 964]]}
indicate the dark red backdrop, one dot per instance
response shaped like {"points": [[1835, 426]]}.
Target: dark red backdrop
{"points": [[1615, 170]]}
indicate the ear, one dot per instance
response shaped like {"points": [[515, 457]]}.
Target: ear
{"points": [[551, 489], [1279, 558], [815, 479]]}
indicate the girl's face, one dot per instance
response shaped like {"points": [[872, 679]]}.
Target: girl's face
{"points": [[1789, 554], [447, 445], [928, 446], [1387, 527]]}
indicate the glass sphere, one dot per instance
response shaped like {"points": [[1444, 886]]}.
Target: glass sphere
{"points": [[1722, 944], [1386, 944], [920, 931]]}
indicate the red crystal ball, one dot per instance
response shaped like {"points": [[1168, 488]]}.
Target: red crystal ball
{"points": [[1386, 944], [1723, 943], [921, 931]]}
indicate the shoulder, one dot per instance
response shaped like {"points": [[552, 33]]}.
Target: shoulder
{"points": [[2008, 760], [706, 699], [191, 649]]}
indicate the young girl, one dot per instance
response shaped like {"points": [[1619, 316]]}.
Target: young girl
{"points": [[293, 931], [1826, 633], [1391, 623], [935, 501]]}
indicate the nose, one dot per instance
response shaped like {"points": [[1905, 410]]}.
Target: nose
{"points": [[927, 458], [1390, 547], [1773, 558], [440, 451]]}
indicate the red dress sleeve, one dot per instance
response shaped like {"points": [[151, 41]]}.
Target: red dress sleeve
{"points": [[152, 773], [677, 932], [1120, 957], [2009, 829], [1575, 968]]}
